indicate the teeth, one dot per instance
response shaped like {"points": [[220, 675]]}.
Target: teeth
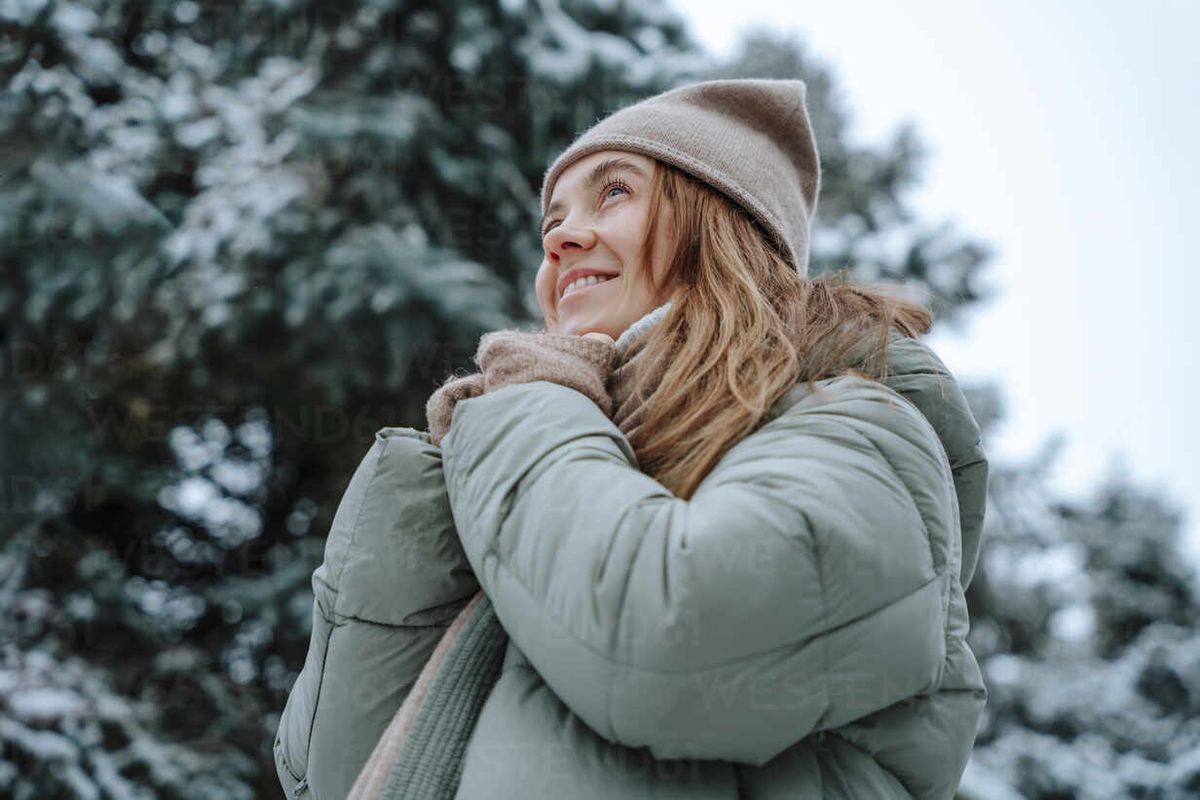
{"points": [[588, 281]]}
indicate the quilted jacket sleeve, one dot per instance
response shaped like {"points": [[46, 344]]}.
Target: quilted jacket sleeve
{"points": [[393, 578], [805, 584]]}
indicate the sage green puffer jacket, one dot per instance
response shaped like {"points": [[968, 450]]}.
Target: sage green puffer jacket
{"points": [[796, 629]]}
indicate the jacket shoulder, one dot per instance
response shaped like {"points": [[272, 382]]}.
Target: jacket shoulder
{"points": [[394, 521]]}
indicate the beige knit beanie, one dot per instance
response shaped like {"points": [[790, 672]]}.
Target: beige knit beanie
{"points": [[748, 138]]}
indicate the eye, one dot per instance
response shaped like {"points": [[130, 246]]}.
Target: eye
{"points": [[604, 193], [608, 187]]}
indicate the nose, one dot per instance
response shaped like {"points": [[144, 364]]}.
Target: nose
{"points": [[568, 235]]}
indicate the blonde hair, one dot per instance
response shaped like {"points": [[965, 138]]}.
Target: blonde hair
{"points": [[744, 328]]}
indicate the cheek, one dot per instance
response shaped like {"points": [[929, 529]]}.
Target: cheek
{"points": [[544, 288]]}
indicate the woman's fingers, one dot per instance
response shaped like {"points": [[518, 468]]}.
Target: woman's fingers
{"points": [[604, 337]]}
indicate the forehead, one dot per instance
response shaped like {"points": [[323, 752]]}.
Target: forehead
{"points": [[585, 164], [579, 173]]}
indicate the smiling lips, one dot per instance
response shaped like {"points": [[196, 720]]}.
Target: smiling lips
{"points": [[585, 282]]}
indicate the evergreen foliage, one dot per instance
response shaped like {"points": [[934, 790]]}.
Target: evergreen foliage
{"points": [[237, 238]]}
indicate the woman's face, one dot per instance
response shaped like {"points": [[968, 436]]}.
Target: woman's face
{"points": [[597, 222]]}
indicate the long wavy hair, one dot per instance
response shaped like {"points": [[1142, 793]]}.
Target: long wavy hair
{"points": [[744, 328]]}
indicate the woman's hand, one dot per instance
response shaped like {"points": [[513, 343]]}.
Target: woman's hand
{"points": [[583, 363], [602, 337], [439, 409]]}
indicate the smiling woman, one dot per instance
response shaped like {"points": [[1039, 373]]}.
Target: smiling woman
{"points": [[601, 264], [706, 535]]}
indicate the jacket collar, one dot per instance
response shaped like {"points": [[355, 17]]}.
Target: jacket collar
{"points": [[635, 331]]}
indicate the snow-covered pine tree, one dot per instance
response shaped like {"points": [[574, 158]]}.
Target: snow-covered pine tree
{"points": [[240, 237]]}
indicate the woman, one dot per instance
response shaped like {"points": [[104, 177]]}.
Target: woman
{"points": [[724, 514]]}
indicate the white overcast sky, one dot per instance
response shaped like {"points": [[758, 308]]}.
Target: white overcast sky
{"points": [[1066, 134]]}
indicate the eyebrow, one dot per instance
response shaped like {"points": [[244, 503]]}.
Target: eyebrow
{"points": [[598, 173]]}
